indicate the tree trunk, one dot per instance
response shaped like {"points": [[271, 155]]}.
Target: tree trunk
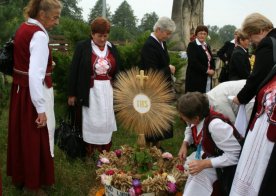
{"points": [[187, 15]]}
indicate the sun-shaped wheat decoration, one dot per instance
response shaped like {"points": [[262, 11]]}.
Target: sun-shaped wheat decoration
{"points": [[144, 103]]}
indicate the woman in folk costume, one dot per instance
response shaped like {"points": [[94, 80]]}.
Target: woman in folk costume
{"points": [[217, 146], [201, 65], [256, 170], [31, 119], [94, 66]]}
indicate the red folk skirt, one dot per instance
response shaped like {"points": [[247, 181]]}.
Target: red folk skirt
{"points": [[29, 161]]}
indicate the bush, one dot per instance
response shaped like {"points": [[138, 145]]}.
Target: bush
{"points": [[72, 30], [130, 53], [5, 86], [60, 81]]}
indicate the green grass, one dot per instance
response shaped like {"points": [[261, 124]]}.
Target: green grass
{"points": [[76, 177]]}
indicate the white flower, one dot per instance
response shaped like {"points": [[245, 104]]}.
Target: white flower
{"points": [[171, 178], [167, 155], [106, 179], [104, 160]]}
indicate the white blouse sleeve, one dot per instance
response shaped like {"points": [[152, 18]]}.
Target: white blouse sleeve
{"points": [[222, 134], [188, 135], [39, 52]]}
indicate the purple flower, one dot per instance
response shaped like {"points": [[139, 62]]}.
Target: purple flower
{"points": [[136, 183], [171, 187], [99, 163]]}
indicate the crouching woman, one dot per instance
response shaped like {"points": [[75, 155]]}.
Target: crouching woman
{"points": [[217, 147]]}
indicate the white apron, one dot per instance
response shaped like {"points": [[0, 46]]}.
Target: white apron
{"points": [[253, 160], [50, 114], [201, 183], [99, 118]]}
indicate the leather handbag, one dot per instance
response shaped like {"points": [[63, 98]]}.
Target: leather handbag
{"points": [[6, 57], [68, 135]]}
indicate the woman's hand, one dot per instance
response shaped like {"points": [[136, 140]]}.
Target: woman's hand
{"points": [[236, 100], [196, 166], [182, 154], [210, 72], [71, 100], [172, 68], [41, 120]]}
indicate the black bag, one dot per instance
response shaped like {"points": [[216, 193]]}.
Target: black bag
{"points": [[68, 135], [6, 58], [224, 73]]}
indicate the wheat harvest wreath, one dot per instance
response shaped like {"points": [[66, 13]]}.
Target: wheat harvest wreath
{"points": [[142, 103]]}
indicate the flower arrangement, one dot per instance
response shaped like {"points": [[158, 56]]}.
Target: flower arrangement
{"points": [[138, 171]]}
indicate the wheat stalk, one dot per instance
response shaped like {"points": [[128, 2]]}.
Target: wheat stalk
{"points": [[161, 114]]}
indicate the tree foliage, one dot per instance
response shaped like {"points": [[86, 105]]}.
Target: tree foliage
{"points": [[72, 30], [214, 39], [226, 33], [97, 11], [125, 23], [71, 9], [147, 22], [10, 17]]}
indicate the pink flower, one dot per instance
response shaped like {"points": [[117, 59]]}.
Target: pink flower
{"points": [[118, 153], [171, 187], [167, 155], [104, 160], [131, 191]]}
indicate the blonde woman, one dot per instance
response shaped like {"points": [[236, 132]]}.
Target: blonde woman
{"points": [[256, 170], [239, 66], [31, 121]]}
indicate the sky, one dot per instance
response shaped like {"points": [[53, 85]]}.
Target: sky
{"points": [[216, 12]]}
